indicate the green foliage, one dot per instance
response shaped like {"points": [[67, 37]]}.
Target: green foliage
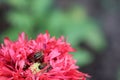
{"points": [[18, 4], [118, 75], [35, 16], [20, 20], [83, 57], [40, 8]]}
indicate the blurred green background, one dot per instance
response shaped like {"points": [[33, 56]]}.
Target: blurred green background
{"points": [[71, 20]]}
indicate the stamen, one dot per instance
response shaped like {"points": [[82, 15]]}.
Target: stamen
{"points": [[35, 68]]}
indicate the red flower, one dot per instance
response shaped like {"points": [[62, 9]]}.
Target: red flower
{"points": [[44, 58]]}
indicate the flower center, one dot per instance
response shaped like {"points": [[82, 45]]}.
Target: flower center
{"points": [[37, 61], [35, 68]]}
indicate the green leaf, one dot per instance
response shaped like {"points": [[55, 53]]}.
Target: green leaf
{"points": [[83, 57], [82, 28], [40, 8], [94, 36], [19, 4], [21, 20], [56, 23], [77, 14]]}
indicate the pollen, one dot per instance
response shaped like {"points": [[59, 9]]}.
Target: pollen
{"points": [[35, 67]]}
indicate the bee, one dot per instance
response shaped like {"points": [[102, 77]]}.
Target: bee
{"points": [[38, 57], [41, 66]]}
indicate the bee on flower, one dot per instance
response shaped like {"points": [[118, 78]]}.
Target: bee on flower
{"points": [[43, 58]]}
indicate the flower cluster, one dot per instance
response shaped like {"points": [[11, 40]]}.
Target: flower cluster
{"points": [[44, 58]]}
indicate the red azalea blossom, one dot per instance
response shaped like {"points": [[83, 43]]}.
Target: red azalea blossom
{"points": [[44, 58]]}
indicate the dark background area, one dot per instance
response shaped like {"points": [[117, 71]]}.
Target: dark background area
{"points": [[105, 65]]}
